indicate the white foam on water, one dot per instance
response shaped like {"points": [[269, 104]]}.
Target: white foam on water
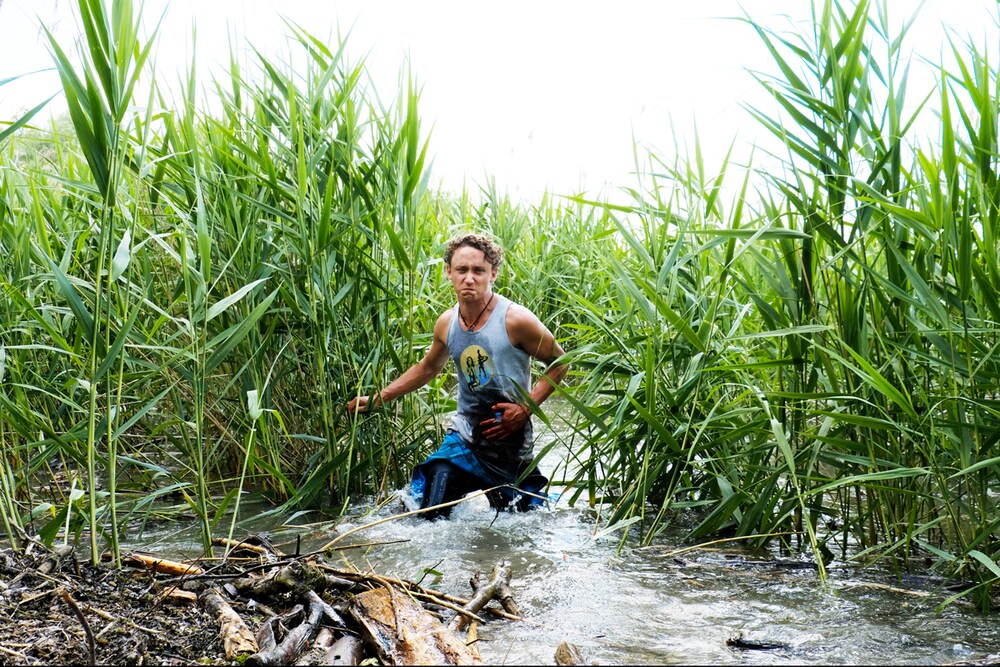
{"points": [[633, 607]]}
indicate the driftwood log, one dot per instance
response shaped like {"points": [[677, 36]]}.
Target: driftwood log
{"points": [[237, 639], [348, 650], [264, 550], [266, 636], [741, 640], [498, 587], [326, 651], [52, 562], [403, 633], [471, 639], [174, 595], [162, 565], [294, 643], [295, 578], [324, 640]]}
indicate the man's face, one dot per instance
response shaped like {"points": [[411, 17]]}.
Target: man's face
{"points": [[470, 274]]}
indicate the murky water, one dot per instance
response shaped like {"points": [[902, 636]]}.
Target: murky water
{"points": [[639, 607], [645, 606]]}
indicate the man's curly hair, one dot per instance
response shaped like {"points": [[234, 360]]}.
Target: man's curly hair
{"points": [[492, 252]]}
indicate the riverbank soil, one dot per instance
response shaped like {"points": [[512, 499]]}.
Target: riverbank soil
{"points": [[256, 606], [47, 599]]}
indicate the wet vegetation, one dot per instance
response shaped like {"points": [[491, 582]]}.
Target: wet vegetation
{"points": [[804, 353]]}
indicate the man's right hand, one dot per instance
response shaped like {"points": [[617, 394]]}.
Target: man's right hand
{"points": [[357, 404]]}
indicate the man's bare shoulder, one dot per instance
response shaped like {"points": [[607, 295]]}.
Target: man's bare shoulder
{"points": [[443, 322], [528, 333], [445, 317], [518, 315]]}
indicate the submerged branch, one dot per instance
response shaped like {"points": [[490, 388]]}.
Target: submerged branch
{"points": [[498, 587]]}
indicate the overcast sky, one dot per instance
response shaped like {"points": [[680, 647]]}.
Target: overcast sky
{"points": [[536, 93]]}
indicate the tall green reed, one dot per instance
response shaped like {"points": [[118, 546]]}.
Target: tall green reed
{"points": [[815, 362], [336, 184], [188, 260], [9, 514], [98, 103], [898, 282]]}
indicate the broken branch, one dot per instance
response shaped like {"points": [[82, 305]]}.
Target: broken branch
{"points": [[237, 639]]}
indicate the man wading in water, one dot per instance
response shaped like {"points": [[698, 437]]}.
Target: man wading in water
{"points": [[492, 340]]}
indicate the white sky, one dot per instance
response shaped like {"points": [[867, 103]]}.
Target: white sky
{"points": [[536, 93]]}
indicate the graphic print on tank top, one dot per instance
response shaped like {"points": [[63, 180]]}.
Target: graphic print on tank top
{"points": [[476, 366]]}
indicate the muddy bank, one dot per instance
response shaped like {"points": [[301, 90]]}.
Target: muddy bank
{"points": [[256, 606], [129, 623]]}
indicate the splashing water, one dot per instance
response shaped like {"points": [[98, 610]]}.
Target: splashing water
{"points": [[642, 606], [634, 605]]}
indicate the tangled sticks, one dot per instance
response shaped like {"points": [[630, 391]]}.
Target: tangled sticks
{"points": [[254, 606], [339, 616]]}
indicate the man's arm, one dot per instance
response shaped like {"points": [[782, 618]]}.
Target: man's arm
{"points": [[528, 333], [415, 376]]}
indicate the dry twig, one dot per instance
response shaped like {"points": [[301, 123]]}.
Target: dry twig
{"points": [[65, 596]]}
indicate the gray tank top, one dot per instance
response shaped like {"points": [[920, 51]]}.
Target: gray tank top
{"points": [[490, 370]]}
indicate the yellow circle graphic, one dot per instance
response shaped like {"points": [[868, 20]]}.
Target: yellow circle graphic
{"points": [[476, 366]]}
